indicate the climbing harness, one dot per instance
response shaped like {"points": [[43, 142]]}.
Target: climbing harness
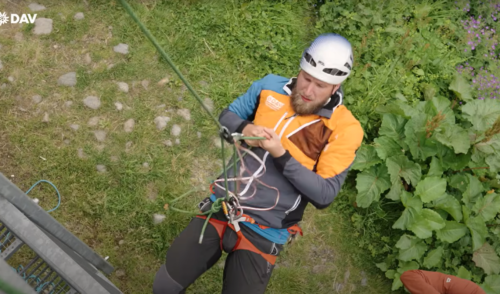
{"points": [[231, 206]]}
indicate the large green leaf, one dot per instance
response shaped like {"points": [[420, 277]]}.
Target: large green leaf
{"points": [[454, 136], [481, 113], [426, 221], [435, 170], [396, 283], [460, 86], [431, 188], [487, 259], [491, 284], [487, 207], [400, 166], [415, 137], [433, 258], [441, 105], [407, 266], [490, 147], [413, 206], [478, 231], [393, 127], [366, 157], [452, 232], [395, 192], [459, 181], [370, 184], [451, 205], [386, 147], [493, 161], [464, 273], [473, 190], [410, 247]]}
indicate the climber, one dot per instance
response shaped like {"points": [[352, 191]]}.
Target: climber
{"points": [[310, 143]]}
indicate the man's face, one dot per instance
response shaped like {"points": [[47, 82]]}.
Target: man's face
{"points": [[310, 94]]}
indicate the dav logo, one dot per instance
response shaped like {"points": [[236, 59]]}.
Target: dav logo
{"points": [[15, 18], [273, 103]]}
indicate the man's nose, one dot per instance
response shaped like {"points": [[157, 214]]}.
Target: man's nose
{"points": [[309, 90]]}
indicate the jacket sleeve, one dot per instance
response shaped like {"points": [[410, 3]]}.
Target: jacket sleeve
{"points": [[415, 282], [321, 187], [241, 111]]}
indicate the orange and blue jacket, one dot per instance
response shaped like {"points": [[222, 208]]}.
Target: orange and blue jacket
{"points": [[320, 150]]}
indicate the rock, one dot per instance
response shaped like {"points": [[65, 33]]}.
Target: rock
{"points": [[81, 154], [145, 84], [203, 84], [158, 218], [114, 158], [179, 98], [87, 58], [184, 113], [43, 26], [110, 66], [1, 65], [121, 242], [36, 99], [129, 125], [93, 121], [217, 142], [338, 287], [128, 146], [123, 87], [163, 81], [168, 143], [176, 130], [364, 279], [101, 168], [209, 104], [118, 106], [92, 102], [74, 127], [347, 274], [161, 122], [45, 117], [145, 165], [121, 48], [68, 79], [66, 141], [100, 135], [68, 104], [152, 191], [119, 273], [177, 141], [161, 106], [79, 16], [3, 86], [36, 7], [10, 79], [198, 134]]}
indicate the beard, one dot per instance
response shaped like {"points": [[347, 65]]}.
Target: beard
{"points": [[305, 108]]}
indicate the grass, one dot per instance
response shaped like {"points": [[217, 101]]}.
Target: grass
{"points": [[112, 212]]}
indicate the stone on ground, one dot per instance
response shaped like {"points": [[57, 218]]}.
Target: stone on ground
{"points": [[123, 87], [36, 99], [1, 65], [100, 135], [158, 218], [184, 113], [129, 125], [209, 104], [74, 127], [10, 79], [87, 58], [145, 84], [101, 168], [177, 141], [81, 154], [93, 121], [161, 122], [45, 117], [36, 7], [121, 48], [217, 142], [118, 106], [68, 79], [43, 26], [176, 130], [92, 102], [79, 16], [167, 143], [198, 134]]}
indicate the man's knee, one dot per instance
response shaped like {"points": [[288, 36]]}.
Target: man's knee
{"points": [[164, 284]]}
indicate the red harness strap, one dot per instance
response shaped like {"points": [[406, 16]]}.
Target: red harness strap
{"points": [[242, 243]]}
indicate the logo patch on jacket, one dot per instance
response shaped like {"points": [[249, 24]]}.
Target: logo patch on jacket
{"points": [[274, 103]]}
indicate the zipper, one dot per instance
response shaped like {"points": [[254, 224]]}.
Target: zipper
{"points": [[291, 116]]}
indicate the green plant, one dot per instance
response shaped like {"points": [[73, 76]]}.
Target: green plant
{"points": [[439, 160]]}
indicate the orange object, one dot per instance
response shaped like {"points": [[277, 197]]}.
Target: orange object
{"points": [[426, 282]]}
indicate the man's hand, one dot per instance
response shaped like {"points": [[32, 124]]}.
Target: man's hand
{"points": [[252, 130], [272, 144]]}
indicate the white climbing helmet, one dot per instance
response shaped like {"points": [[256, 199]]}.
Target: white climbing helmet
{"points": [[329, 59]]}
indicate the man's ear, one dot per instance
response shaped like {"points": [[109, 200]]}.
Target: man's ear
{"points": [[335, 88]]}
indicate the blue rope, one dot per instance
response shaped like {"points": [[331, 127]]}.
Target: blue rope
{"points": [[37, 279]]}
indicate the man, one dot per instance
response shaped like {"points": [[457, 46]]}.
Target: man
{"points": [[311, 140], [425, 282]]}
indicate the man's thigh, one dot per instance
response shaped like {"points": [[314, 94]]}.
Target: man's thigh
{"points": [[187, 259]]}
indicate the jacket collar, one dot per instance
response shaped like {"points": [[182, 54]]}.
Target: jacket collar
{"points": [[333, 102]]}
